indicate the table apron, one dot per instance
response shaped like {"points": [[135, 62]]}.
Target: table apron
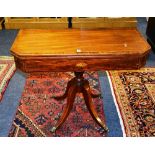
{"points": [[44, 64]]}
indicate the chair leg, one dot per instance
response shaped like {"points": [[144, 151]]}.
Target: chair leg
{"points": [[88, 100], [70, 100]]}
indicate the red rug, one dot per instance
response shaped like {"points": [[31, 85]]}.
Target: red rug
{"points": [[7, 69], [39, 111]]}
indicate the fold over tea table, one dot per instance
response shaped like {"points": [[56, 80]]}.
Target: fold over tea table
{"points": [[78, 51]]}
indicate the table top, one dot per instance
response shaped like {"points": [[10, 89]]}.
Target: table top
{"points": [[40, 42]]}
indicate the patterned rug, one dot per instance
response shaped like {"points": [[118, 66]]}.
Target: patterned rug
{"points": [[134, 95], [39, 111], [7, 69]]}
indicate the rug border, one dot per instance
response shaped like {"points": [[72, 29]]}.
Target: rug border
{"points": [[116, 105], [12, 71], [143, 69]]}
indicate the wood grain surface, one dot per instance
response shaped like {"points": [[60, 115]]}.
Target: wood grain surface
{"points": [[78, 50], [104, 22]]}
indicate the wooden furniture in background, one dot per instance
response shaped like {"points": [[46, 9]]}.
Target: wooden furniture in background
{"points": [[1, 21], [79, 51], [104, 22], [36, 22], [62, 22], [150, 32]]}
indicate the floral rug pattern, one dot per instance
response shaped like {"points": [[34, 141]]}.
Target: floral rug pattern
{"points": [[39, 111], [134, 92]]}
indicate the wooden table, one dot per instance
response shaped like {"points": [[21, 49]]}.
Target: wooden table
{"points": [[78, 51]]}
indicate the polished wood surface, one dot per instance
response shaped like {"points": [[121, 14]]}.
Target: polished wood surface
{"points": [[79, 42], [79, 51], [63, 50]]}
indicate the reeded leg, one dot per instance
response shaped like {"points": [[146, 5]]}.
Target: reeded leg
{"points": [[70, 99], [88, 100]]}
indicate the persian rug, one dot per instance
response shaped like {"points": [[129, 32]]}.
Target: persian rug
{"points": [[134, 96], [7, 69], [38, 111]]}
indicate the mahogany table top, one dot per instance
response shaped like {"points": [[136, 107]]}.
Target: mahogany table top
{"points": [[79, 50], [37, 42]]}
